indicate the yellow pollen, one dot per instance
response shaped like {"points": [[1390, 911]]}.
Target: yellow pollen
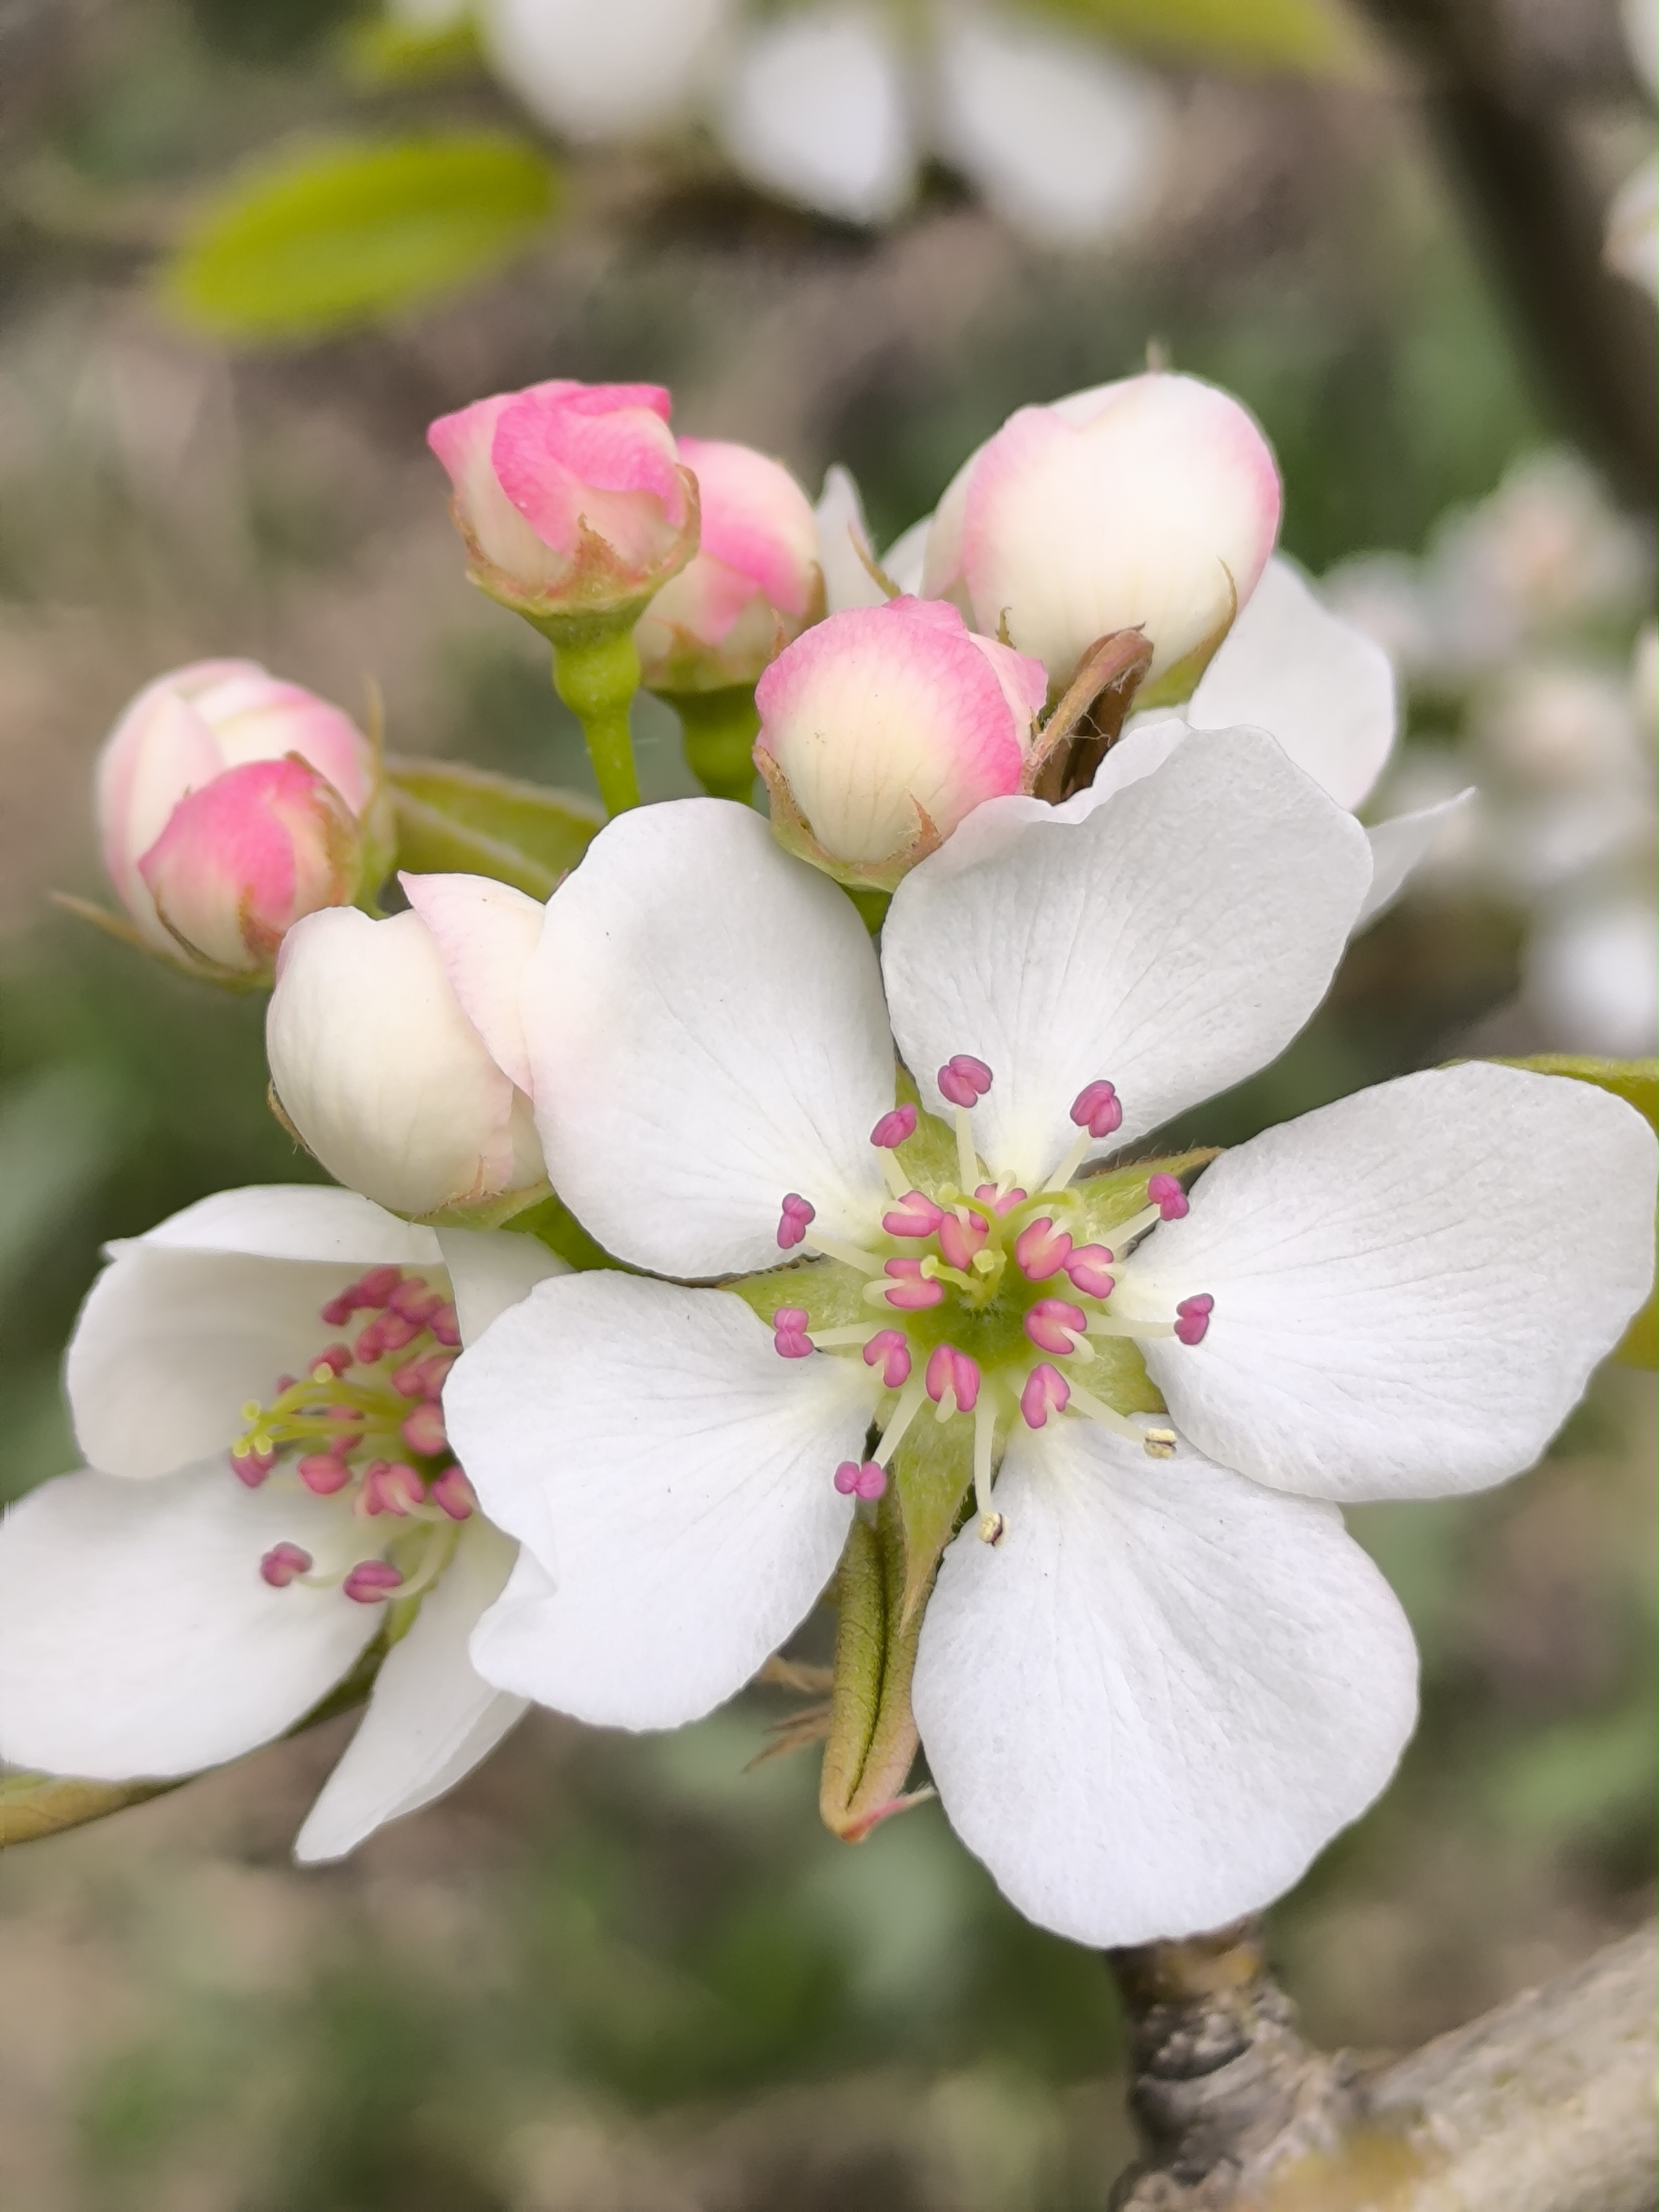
{"points": [[1159, 1444]]}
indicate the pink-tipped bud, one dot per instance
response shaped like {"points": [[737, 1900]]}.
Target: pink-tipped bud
{"points": [[789, 1336], [1087, 1267], [371, 1582], [454, 1494], [889, 1350], [391, 1486], [423, 1429], [793, 1221], [1046, 1391], [250, 1469], [1041, 1249], [959, 1239], [1052, 1324], [1164, 1192], [1193, 1317], [895, 1129], [1152, 503], [953, 1371], [752, 585], [324, 1473], [963, 1081], [1097, 1109], [571, 498], [908, 1288], [283, 1564], [230, 804], [883, 728], [915, 1215]]}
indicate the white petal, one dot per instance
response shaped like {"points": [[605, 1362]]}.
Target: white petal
{"points": [[815, 111], [137, 1636], [902, 562], [1162, 1693], [430, 1718], [1412, 1285], [1323, 688], [602, 72], [1063, 139], [1169, 941], [841, 531], [672, 1474], [292, 1221], [485, 933], [1400, 844], [490, 1269], [706, 1034]]}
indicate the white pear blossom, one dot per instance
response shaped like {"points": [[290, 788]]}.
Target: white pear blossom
{"points": [[1166, 1676], [256, 1385]]}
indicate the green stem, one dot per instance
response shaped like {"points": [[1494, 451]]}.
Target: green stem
{"points": [[596, 672], [719, 730]]}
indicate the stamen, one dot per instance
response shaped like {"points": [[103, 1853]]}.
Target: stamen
{"points": [[390, 1486], [423, 1378], [1193, 1317], [332, 1360], [824, 1339], [991, 1524], [1166, 1194], [963, 1081], [1000, 1201], [414, 1301], [1042, 1250], [453, 1493], [792, 1224], [1159, 1444], [1115, 1325], [953, 1380], [446, 1326], [959, 1240], [1086, 1268], [789, 1337], [283, 1564], [908, 1288], [915, 1215], [250, 1466], [854, 1480], [889, 1349], [323, 1473], [1097, 1109], [1085, 1401], [423, 1431], [895, 1129], [372, 1581], [909, 1405], [1054, 1325], [1046, 1391]]}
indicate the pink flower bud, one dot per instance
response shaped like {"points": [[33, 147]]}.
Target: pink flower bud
{"points": [[571, 497], [753, 585], [882, 726], [1153, 503], [230, 804]]}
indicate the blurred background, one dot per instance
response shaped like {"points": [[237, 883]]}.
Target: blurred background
{"points": [[248, 248]]}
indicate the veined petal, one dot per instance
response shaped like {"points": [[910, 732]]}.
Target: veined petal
{"points": [[490, 1269], [291, 1221], [1412, 1285], [671, 1473], [1170, 941], [1162, 1693], [430, 1717], [842, 531], [706, 1034], [1398, 844], [137, 1636]]}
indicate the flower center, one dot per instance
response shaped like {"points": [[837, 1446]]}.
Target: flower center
{"points": [[364, 1425], [987, 1302]]}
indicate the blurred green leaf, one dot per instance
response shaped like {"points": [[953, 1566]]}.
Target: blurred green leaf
{"points": [[385, 50], [449, 816], [329, 235], [59, 1133], [1311, 38]]}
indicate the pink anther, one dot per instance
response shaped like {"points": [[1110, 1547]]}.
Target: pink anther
{"points": [[894, 1128], [422, 1377], [283, 1564], [372, 1581], [915, 1215], [391, 1486], [959, 1239], [847, 1478], [368, 1347], [909, 1289], [414, 1301], [423, 1429], [953, 1371], [963, 1081], [855, 1481], [1097, 1109], [336, 1358], [1193, 1317], [1164, 1192], [393, 1330], [251, 1468], [889, 1350], [791, 1226], [446, 1326], [1046, 1391], [455, 1494], [376, 1287], [1087, 1268], [340, 1308], [1052, 1323], [1000, 1201], [789, 1335], [323, 1473], [1041, 1249]]}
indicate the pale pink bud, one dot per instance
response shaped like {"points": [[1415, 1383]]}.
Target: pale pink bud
{"points": [[571, 497], [394, 1046], [1150, 504], [882, 726], [753, 585], [229, 804]]}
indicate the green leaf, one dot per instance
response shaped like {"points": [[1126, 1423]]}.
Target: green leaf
{"points": [[348, 232], [451, 817], [1310, 38]]}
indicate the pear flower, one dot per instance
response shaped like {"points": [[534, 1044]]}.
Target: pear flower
{"points": [[1155, 1676], [396, 1051], [258, 1386]]}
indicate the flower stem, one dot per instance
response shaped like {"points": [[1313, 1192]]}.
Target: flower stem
{"points": [[719, 729], [596, 672]]}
